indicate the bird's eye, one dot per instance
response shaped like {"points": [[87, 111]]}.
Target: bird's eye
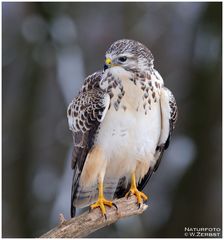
{"points": [[122, 59]]}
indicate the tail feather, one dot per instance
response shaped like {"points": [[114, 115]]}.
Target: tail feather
{"points": [[122, 187], [73, 211], [110, 186], [85, 196]]}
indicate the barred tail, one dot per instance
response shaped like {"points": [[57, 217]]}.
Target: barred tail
{"points": [[86, 196]]}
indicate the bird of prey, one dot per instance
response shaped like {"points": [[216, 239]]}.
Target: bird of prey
{"points": [[121, 122]]}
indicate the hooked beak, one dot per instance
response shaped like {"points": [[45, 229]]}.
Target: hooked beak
{"points": [[108, 63], [105, 67]]}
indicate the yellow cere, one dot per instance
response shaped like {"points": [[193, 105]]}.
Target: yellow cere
{"points": [[108, 61]]}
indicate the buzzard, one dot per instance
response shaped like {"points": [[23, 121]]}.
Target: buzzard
{"points": [[121, 122]]}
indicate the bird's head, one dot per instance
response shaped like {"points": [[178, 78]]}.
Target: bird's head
{"points": [[128, 54]]}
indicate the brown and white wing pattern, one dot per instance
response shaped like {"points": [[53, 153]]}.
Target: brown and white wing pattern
{"points": [[85, 113], [169, 114]]}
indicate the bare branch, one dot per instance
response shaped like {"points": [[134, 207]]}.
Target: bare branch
{"points": [[89, 222]]}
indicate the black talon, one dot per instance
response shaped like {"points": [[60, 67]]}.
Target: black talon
{"points": [[139, 205], [115, 206], [105, 216]]}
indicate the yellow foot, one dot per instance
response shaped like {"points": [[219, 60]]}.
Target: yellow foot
{"points": [[141, 197], [101, 203]]}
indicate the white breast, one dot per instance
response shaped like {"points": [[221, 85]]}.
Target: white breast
{"points": [[129, 135]]}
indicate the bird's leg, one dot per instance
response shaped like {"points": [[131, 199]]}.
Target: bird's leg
{"points": [[101, 202], [141, 197]]}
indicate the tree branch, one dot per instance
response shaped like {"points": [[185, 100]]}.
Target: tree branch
{"points": [[89, 222]]}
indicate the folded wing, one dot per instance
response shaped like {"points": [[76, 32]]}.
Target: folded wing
{"points": [[85, 113], [169, 113]]}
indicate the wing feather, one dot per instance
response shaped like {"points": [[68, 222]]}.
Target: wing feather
{"points": [[168, 104], [169, 113], [85, 113]]}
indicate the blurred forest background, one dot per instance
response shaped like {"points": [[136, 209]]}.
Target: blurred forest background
{"points": [[48, 50]]}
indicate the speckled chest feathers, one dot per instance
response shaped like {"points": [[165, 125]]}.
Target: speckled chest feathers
{"points": [[134, 90]]}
